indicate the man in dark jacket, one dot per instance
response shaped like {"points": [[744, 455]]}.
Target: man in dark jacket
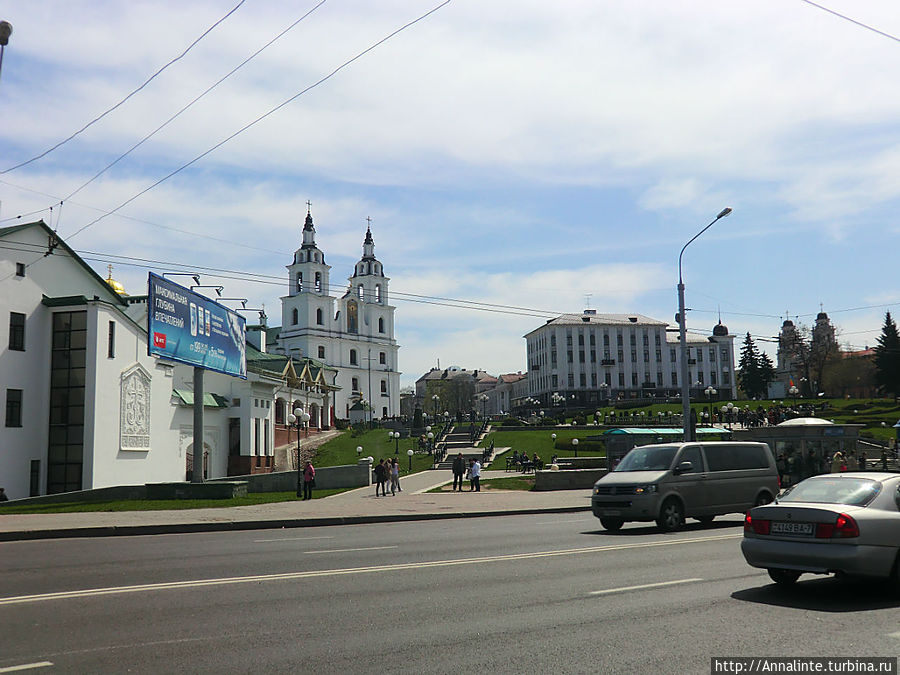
{"points": [[381, 478], [459, 470]]}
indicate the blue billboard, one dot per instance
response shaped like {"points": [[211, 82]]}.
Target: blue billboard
{"points": [[189, 328]]}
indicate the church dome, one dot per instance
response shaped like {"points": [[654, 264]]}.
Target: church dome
{"points": [[720, 330], [787, 324], [821, 316], [115, 285]]}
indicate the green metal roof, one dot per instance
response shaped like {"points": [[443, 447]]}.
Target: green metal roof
{"points": [[660, 431], [209, 400]]}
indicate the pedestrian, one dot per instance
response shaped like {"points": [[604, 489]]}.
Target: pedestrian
{"points": [[837, 461], [380, 475], [459, 470], [852, 463], [862, 461], [475, 472], [3, 497], [309, 480], [395, 476], [883, 459]]}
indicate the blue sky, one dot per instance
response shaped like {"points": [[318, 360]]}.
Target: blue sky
{"points": [[524, 154]]}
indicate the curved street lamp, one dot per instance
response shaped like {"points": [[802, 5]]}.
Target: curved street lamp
{"points": [[298, 419]]}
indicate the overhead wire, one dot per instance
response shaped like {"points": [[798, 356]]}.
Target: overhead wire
{"points": [[851, 20], [120, 103], [262, 117]]}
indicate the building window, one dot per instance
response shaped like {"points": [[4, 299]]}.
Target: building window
{"points": [[724, 354], [384, 412], [621, 379], [593, 379], [658, 355], [634, 355], [377, 292], [582, 379], [571, 380], [674, 378], [353, 360], [300, 282], [593, 340], [354, 384], [632, 339], [384, 386], [659, 380], [569, 356], [382, 358], [593, 356], [700, 376], [581, 340], [634, 379], [646, 356], [320, 319], [553, 339], [380, 325], [605, 340], [318, 282], [699, 355], [581, 356], [361, 292], [66, 424], [621, 355], [111, 341], [657, 340], [726, 378], [20, 269], [321, 352], [13, 407], [295, 316], [712, 378], [712, 354], [17, 331], [554, 381]]}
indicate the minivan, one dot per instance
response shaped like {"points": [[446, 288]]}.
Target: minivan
{"points": [[669, 482]]}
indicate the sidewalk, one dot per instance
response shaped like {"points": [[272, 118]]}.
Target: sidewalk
{"points": [[347, 508]]}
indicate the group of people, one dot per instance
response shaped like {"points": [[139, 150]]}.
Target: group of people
{"points": [[521, 461], [849, 462], [471, 471], [387, 470]]}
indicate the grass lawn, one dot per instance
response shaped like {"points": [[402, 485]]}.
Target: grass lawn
{"points": [[541, 442], [374, 443], [512, 483], [164, 504]]}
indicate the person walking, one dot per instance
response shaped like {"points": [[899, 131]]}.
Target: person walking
{"points": [[380, 478], [309, 480], [395, 476], [475, 472], [459, 470], [3, 496], [837, 461]]}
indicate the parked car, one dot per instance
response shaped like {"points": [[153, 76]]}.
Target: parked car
{"points": [[839, 523], [670, 482]]}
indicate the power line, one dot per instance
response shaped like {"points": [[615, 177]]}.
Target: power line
{"points": [[117, 105], [847, 18], [263, 116]]}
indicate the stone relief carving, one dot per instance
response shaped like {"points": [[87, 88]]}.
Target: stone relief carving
{"points": [[134, 426]]}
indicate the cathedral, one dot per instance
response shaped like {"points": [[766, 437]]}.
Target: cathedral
{"points": [[353, 333]]}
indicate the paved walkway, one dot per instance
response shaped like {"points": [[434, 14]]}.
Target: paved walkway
{"points": [[351, 507]]}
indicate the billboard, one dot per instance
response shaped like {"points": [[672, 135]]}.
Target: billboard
{"points": [[189, 328]]}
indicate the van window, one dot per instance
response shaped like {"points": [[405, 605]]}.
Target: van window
{"points": [[692, 454], [735, 457], [648, 458]]}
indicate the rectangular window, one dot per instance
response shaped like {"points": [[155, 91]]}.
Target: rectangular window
{"points": [[700, 377], [672, 356], [619, 339], [382, 358], [699, 355], [581, 340], [111, 341], [593, 356], [674, 378], [724, 354], [633, 339], [256, 436], [646, 356], [621, 379], [621, 355], [554, 380], [384, 386], [583, 380], [571, 380], [569, 356], [712, 377], [634, 379], [634, 355], [266, 437], [657, 339], [553, 359], [581, 356], [726, 378], [605, 340], [593, 340], [712, 354], [17, 331], [658, 355], [13, 407], [659, 379], [20, 269]]}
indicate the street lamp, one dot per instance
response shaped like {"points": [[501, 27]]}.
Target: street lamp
{"points": [[396, 436], [604, 389], [434, 400], [409, 453], [710, 391], [484, 399], [358, 451], [682, 333], [575, 446], [298, 419], [728, 412], [793, 391]]}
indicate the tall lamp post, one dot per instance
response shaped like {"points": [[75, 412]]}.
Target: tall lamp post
{"points": [[710, 391], [575, 446], [682, 333], [435, 399], [409, 453], [298, 419], [793, 391], [5, 32], [484, 399], [396, 436]]}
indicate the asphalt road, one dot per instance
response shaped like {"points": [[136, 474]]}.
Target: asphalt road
{"points": [[546, 593]]}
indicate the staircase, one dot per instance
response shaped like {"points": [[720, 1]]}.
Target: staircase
{"points": [[459, 441]]}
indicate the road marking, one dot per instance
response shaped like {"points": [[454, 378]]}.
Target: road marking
{"points": [[894, 635], [265, 541], [25, 666], [346, 550], [292, 576], [660, 584]]}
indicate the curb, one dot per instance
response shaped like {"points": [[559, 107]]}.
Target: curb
{"points": [[237, 526]]}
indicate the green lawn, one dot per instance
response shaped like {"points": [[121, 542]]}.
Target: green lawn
{"points": [[542, 443], [374, 443], [164, 504]]}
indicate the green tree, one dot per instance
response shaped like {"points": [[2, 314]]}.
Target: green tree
{"points": [[756, 370], [887, 357]]}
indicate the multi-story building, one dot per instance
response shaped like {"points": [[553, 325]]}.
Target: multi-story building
{"points": [[592, 359], [353, 333]]}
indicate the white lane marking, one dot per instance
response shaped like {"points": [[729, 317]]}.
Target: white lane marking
{"points": [[25, 666], [265, 541], [623, 589], [346, 550], [291, 576]]}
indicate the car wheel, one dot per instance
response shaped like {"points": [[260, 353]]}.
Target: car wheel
{"points": [[612, 524], [783, 577], [762, 499], [671, 516], [705, 520]]}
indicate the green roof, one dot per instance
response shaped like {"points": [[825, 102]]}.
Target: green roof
{"points": [[648, 431], [209, 400]]}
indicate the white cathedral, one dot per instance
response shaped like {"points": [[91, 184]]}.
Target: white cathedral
{"points": [[353, 333]]}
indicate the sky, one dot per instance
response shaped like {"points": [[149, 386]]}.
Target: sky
{"points": [[537, 158]]}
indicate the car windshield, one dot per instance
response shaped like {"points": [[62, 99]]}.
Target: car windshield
{"points": [[822, 490], [648, 458]]}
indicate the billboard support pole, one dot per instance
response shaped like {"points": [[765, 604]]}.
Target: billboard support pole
{"points": [[197, 473]]}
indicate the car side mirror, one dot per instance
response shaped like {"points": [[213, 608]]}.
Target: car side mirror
{"points": [[897, 497], [684, 467]]}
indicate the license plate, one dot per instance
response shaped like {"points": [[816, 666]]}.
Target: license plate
{"points": [[611, 512], [791, 528]]}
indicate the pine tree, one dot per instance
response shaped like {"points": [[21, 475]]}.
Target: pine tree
{"points": [[749, 377], [887, 357]]}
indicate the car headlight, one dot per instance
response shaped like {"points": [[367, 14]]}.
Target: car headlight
{"points": [[596, 490], [645, 489]]}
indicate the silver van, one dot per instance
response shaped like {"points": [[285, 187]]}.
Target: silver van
{"points": [[668, 483]]}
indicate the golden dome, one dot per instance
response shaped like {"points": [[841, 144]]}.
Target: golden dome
{"points": [[115, 285]]}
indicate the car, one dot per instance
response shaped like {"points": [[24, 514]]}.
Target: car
{"points": [[846, 524], [669, 482]]}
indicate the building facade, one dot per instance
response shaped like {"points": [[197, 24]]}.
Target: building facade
{"points": [[595, 359], [353, 333]]}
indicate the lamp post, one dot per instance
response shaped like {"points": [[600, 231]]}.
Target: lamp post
{"points": [[727, 412], [298, 419], [409, 453], [396, 436], [793, 391], [710, 391], [358, 451], [484, 399], [682, 334], [575, 446], [434, 400], [5, 32]]}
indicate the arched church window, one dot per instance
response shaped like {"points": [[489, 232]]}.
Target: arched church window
{"points": [[354, 384], [299, 282], [377, 292], [321, 352], [295, 316], [318, 282], [353, 360], [380, 325], [361, 292], [319, 319]]}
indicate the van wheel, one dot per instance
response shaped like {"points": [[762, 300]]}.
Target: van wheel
{"points": [[705, 520], [762, 499], [783, 577], [612, 524], [671, 516]]}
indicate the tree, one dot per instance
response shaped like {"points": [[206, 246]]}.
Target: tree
{"points": [[887, 357], [757, 371]]}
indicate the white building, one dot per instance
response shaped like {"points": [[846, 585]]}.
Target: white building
{"points": [[592, 359], [353, 333], [86, 407]]}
